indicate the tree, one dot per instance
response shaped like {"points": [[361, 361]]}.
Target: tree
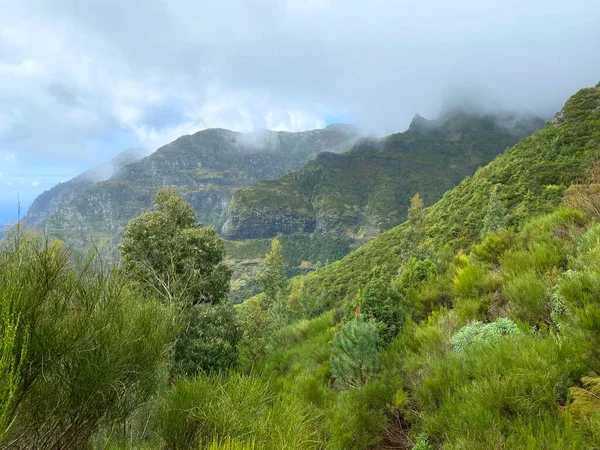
{"points": [[168, 253], [354, 358], [379, 300], [414, 243], [274, 282], [495, 217]]}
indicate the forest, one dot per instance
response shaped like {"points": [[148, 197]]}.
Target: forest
{"points": [[474, 324]]}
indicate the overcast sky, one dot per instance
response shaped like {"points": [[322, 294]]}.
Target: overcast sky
{"points": [[81, 80]]}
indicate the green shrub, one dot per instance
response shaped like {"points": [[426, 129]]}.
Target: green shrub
{"points": [[93, 348], [529, 298], [354, 356], [359, 416], [209, 343], [244, 408], [477, 333]]}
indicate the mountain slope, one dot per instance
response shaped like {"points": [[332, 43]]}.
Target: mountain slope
{"points": [[207, 167], [359, 193], [54, 199], [529, 178]]}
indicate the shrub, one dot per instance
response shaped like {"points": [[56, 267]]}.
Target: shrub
{"points": [[244, 408], [354, 357], [87, 348], [478, 333], [529, 298]]}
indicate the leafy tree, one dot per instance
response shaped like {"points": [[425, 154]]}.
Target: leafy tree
{"points": [[257, 325], [495, 217], [273, 281], [414, 272], [209, 341], [168, 253], [354, 358]]}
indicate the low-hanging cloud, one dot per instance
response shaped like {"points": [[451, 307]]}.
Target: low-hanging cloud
{"points": [[83, 80]]}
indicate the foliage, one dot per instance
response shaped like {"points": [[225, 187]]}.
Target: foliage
{"points": [[354, 359], [477, 333], [257, 325], [379, 300], [274, 282], [166, 252], [209, 342], [87, 349], [243, 408], [495, 216], [416, 232]]}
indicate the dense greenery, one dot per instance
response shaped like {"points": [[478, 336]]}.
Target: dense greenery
{"points": [[460, 329], [80, 349], [167, 254]]}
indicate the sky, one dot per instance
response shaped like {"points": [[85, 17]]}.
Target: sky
{"points": [[81, 81]]}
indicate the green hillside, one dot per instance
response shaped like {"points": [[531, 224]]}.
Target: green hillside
{"points": [[362, 192], [530, 178]]}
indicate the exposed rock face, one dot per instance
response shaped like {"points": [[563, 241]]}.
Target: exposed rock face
{"points": [[368, 189], [58, 197], [206, 168]]}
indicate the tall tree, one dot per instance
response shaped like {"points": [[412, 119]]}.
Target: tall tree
{"points": [[415, 245], [495, 217], [274, 281], [168, 253]]}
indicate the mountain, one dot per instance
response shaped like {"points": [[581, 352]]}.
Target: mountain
{"points": [[497, 330], [357, 194], [56, 198], [529, 178], [206, 167]]}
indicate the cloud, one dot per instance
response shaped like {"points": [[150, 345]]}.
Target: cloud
{"points": [[84, 80], [8, 157]]}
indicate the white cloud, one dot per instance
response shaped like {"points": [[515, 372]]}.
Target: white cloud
{"points": [[78, 80], [8, 157]]}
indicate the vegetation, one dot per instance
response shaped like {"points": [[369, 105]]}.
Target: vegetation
{"points": [[167, 254], [456, 330]]}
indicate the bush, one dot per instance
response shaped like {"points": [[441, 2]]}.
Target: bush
{"points": [[529, 298], [245, 408], [209, 342], [89, 351], [477, 333]]}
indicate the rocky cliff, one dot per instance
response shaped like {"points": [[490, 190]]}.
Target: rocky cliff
{"points": [[368, 189], [206, 168]]}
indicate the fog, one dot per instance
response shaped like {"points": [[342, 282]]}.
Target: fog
{"points": [[81, 81]]}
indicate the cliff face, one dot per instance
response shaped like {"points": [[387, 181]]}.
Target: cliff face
{"points": [[206, 168], [361, 192], [58, 197]]}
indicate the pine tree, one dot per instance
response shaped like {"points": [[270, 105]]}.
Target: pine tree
{"points": [[354, 358], [273, 281], [415, 245], [495, 217]]}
